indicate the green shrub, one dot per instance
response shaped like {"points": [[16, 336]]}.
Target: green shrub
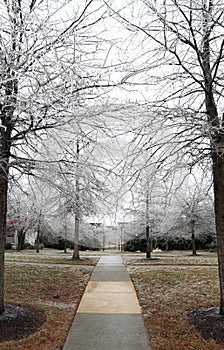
{"points": [[135, 244]]}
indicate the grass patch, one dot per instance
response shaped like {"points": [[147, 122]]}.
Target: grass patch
{"points": [[35, 286], [48, 256], [175, 258], [167, 292]]}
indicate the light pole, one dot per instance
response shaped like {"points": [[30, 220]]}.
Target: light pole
{"points": [[121, 224]]}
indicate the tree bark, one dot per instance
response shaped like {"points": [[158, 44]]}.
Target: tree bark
{"points": [[148, 243], [217, 147], [147, 231], [3, 211], [218, 178], [77, 209], [193, 239], [4, 164], [37, 241], [76, 241], [21, 239]]}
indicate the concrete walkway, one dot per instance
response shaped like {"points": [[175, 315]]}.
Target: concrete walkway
{"points": [[109, 316]]}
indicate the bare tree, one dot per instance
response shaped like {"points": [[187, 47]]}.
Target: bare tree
{"points": [[79, 177], [194, 212], [184, 39], [33, 45]]}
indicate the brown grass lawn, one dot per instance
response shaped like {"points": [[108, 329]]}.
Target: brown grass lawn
{"points": [[170, 287], [167, 288], [32, 281]]}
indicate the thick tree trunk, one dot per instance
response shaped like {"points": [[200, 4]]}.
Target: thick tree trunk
{"points": [[3, 211], [4, 162], [217, 147], [218, 179]]}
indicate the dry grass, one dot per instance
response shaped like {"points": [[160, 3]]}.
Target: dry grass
{"points": [[34, 285], [176, 258], [170, 287], [50, 256]]}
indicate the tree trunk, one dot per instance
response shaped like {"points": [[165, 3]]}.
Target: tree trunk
{"points": [[193, 244], [3, 211], [37, 241], [193, 239], [21, 239], [147, 235], [76, 241], [218, 179], [4, 163], [121, 239], [217, 148], [65, 231], [103, 239], [77, 210], [148, 243]]}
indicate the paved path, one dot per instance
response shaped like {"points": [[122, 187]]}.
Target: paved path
{"points": [[109, 316]]}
